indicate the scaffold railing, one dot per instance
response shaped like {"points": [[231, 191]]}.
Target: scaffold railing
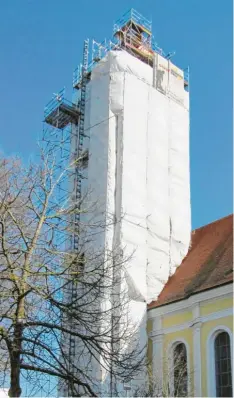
{"points": [[53, 103], [99, 51], [58, 99], [135, 17], [77, 74], [155, 47]]}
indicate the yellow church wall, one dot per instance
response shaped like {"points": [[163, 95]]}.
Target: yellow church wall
{"points": [[150, 343], [216, 305], [176, 319], [149, 348], [206, 328], [149, 325]]}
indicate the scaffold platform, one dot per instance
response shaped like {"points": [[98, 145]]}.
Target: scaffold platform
{"points": [[59, 112]]}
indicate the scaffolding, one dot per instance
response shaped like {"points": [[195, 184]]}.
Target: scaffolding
{"points": [[59, 112], [66, 134], [59, 117], [132, 33]]}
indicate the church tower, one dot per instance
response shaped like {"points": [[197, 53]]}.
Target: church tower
{"points": [[137, 137], [132, 131]]}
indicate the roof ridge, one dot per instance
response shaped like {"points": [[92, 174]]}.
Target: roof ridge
{"points": [[212, 222]]}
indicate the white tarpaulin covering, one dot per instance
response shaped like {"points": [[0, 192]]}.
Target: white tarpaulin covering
{"points": [[179, 192], [153, 190], [139, 168]]}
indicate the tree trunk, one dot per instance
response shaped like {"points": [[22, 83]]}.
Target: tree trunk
{"points": [[15, 390]]}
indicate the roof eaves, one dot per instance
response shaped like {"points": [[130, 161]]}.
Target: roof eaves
{"points": [[188, 295]]}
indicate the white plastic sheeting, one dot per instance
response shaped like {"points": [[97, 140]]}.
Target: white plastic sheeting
{"points": [[158, 211], [179, 192], [134, 195], [139, 170], [175, 83]]}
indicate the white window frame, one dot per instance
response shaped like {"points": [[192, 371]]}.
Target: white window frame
{"points": [[210, 355], [170, 366]]}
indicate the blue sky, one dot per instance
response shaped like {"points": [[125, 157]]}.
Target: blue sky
{"points": [[41, 43]]}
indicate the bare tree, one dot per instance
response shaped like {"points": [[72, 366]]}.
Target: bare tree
{"points": [[59, 307]]}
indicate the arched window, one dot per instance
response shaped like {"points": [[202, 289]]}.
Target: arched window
{"points": [[180, 370], [223, 371]]}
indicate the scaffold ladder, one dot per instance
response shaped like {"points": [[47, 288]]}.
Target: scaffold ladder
{"points": [[81, 136], [78, 179]]}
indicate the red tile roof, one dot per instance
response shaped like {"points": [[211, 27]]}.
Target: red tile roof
{"points": [[208, 264]]}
